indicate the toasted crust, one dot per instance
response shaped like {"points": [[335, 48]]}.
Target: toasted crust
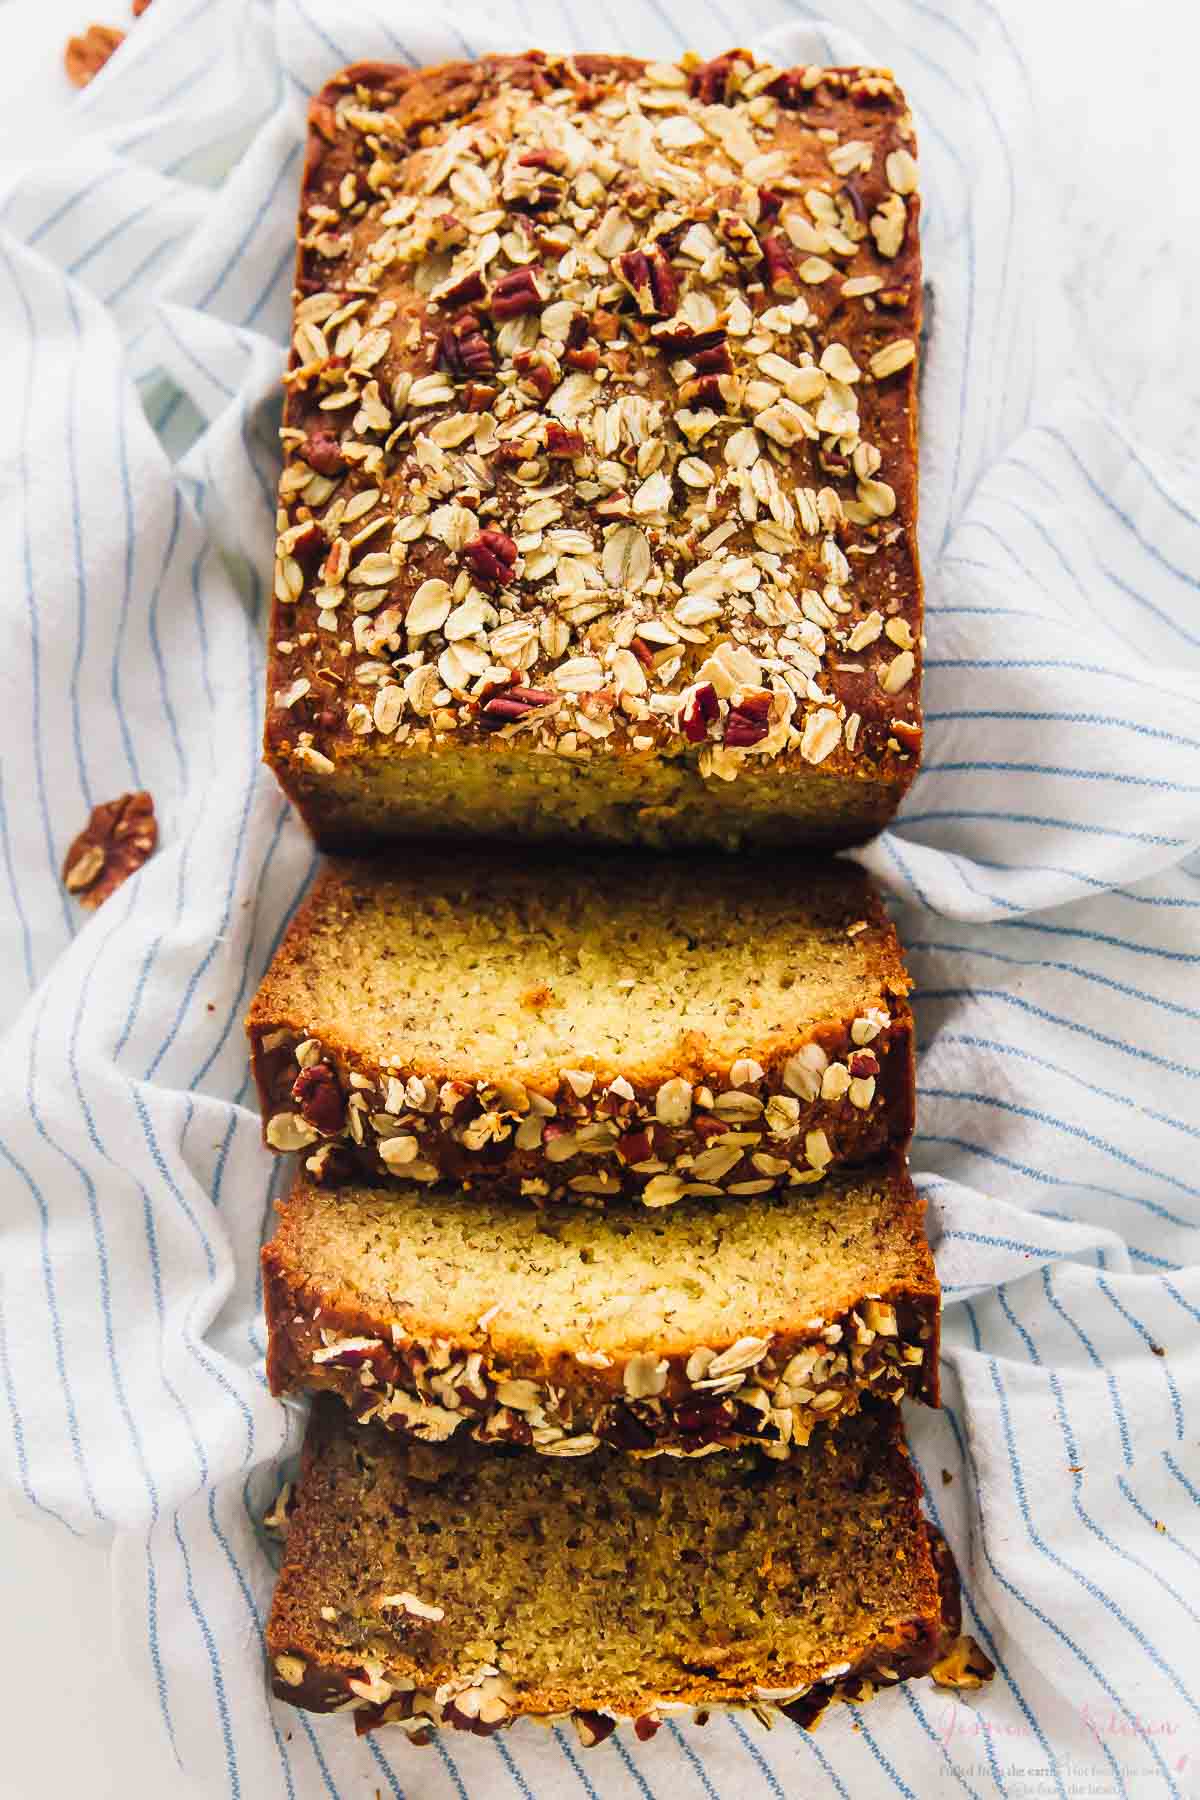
{"points": [[785, 1004], [603, 720], [440, 1313], [843, 1516]]}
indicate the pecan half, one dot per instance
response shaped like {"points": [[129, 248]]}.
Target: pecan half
{"points": [[491, 556], [85, 56], [514, 294], [114, 843]]}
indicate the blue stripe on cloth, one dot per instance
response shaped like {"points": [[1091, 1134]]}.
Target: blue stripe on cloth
{"points": [[1132, 1721], [1159, 1361], [1097, 1362], [30, 586], [967, 1454], [18, 1428], [154, 1648], [1076, 1473], [697, 1766], [756, 1756], [214, 1662]]}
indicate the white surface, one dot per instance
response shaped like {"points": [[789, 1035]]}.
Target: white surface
{"points": [[1118, 106]]}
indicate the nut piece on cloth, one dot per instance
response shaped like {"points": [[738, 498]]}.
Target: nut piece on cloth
{"points": [[85, 56], [964, 1665], [114, 843]]}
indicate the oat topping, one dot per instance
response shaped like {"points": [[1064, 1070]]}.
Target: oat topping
{"points": [[758, 1388], [593, 1141], [598, 431]]}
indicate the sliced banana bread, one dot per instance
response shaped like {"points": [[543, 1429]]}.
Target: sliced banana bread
{"points": [[586, 1028], [444, 1585], [675, 1331]]}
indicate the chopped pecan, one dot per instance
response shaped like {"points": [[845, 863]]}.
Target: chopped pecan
{"points": [[769, 204], [698, 712], [713, 361], [790, 88], [686, 342], [467, 288], [544, 158], [463, 350], [505, 709], [321, 116], [605, 325], [539, 371], [852, 194], [739, 236], [749, 721], [706, 1126], [85, 56], [645, 1727], [964, 1665], [322, 452], [115, 842], [863, 1062], [650, 279], [319, 1099], [587, 357], [562, 442], [703, 390], [490, 555], [642, 651], [781, 268], [514, 294], [710, 82], [593, 1728], [635, 1147]]}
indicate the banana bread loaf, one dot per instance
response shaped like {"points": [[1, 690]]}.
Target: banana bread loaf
{"points": [[586, 1028], [679, 1331], [437, 1585], [599, 505]]}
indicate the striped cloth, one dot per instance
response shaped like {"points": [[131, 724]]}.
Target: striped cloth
{"points": [[1043, 872]]}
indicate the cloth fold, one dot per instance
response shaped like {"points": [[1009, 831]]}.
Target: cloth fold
{"points": [[1043, 873]]}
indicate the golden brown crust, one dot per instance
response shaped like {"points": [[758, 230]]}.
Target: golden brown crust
{"points": [[663, 607], [765, 1370], [328, 1652], [834, 1082]]}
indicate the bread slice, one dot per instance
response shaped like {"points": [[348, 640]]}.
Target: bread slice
{"points": [[444, 1585], [680, 1331], [586, 1028], [617, 543]]}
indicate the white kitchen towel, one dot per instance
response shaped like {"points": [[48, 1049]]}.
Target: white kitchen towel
{"points": [[1043, 871]]}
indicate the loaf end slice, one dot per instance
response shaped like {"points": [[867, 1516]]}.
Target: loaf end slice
{"points": [[461, 1587], [598, 513], [442, 1313], [586, 1028]]}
